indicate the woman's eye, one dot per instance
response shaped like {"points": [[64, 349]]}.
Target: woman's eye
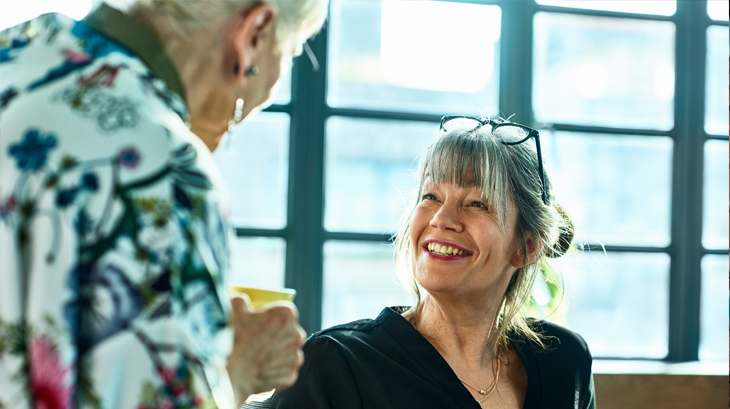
{"points": [[477, 203], [428, 196]]}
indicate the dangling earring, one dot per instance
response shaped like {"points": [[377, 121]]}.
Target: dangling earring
{"points": [[237, 115], [252, 70]]}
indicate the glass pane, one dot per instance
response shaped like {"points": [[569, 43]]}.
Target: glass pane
{"points": [[716, 89], [715, 230], [21, 11], [255, 167], [400, 56], [603, 71], [714, 332], [718, 9], [368, 164], [660, 7], [283, 95], [605, 291], [616, 189], [359, 281], [258, 262]]}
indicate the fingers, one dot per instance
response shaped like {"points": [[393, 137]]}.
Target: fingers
{"points": [[285, 354], [286, 374], [267, 350], [287, 336], [284, 305], [283, 312], [241, 303]]}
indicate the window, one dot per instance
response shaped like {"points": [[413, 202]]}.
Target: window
{"points": [[631, 101], [630, 98]]}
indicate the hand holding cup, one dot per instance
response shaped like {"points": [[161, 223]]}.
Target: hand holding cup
{"points": [[267, 346]]}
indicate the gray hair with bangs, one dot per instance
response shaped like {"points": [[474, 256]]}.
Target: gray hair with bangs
{"points": [[500, 172]]}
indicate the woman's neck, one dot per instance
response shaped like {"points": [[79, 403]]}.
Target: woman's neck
{"points": [[460, 333], [210, 100], [200, 69]]}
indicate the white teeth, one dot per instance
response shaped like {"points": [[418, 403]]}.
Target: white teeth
{"points": [[444, 250]]}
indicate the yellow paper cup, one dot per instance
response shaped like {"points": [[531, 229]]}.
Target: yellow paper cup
{"points": [[261, 297]]}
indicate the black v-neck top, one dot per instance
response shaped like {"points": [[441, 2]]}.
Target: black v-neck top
{"points": [[385, 363]]}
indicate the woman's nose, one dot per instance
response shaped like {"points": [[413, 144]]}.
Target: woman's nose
{"points": [[448, 217]]}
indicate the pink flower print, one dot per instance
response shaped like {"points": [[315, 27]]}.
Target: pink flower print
{"points": [[197, 401], [7, 206], [47, 384], [165, 404], [167, 374], [179, 390], [104, 75], [75, 56]]}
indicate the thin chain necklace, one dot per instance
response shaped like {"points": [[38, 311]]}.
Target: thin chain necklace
{"points": [[487, 392]]}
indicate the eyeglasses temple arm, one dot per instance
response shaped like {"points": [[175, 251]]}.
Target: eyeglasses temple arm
{"points": [[539, 162]]}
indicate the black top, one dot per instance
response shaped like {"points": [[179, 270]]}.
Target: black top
{"points": [[386, 363]]}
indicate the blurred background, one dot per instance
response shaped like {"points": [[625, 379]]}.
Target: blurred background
{"points": [[630, 98]]}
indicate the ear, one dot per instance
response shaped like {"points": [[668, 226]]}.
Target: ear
{"points": [[249, 30], [518, 259]]}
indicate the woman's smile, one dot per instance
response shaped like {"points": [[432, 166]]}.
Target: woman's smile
{"points": [[442, 250]]}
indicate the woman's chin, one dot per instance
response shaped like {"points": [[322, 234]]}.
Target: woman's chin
{"points": [[438, 286]]}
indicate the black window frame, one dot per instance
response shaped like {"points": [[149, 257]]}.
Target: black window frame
{"points": [[305, 234]]}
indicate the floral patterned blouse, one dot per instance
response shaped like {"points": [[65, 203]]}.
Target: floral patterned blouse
{"points": [[113, 236]]}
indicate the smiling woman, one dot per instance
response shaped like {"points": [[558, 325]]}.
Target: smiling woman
{"points": [[469, 248], [483, 156]]}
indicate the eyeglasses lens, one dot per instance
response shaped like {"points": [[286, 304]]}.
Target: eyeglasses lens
{"points": [[460, 123]]}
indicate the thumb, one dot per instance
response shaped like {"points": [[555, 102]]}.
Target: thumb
{"points": [[241, 304]]}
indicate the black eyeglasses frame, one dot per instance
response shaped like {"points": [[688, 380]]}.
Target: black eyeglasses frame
{"points": [[531, 133]]}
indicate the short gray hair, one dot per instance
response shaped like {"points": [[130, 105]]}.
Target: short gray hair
{"points": [[187, 16], [500, 171]]}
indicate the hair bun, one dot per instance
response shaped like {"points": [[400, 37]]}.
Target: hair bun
{"points": [[567, 230]]}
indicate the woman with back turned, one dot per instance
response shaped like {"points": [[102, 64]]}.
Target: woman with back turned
{"points": [[113, 218], [480, 226]]}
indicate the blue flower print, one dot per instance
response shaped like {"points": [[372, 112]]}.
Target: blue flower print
{"points": [[83, 223], [90, 182], [94, 45], [32, 153], [6, 96], [128, 157], [5, 53], [65, 197]]}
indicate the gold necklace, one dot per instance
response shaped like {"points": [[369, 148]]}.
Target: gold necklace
{"points": [[488, 392]]}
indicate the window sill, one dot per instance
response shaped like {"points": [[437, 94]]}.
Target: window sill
{"points": [[616, 366]]}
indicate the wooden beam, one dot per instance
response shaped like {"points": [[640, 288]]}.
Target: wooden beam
{"points": [[638, 391]]}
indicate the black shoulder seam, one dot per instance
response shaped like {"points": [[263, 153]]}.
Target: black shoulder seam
{"points": [[358, 326], [340, 347]]}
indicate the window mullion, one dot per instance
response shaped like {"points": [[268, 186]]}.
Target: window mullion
{"points": [[305, 202], [515, 65], [685, 275]]}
